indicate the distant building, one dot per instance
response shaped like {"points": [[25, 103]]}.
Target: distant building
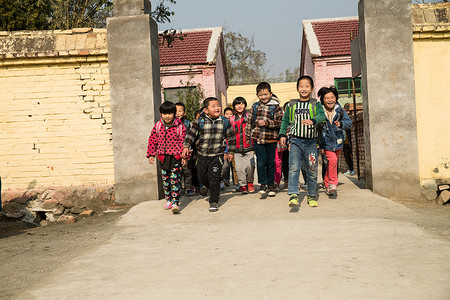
{"points": [[326, 55], [199, 58]]}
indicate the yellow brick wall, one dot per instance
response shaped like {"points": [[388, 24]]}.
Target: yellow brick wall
{"points": [[55, 119]]}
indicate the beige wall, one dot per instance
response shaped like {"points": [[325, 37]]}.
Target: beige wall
{"points": [[432, 77], [284, 91], [55, 120]]}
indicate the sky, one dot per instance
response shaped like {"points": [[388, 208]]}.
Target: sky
{"points": [[275, 25]]}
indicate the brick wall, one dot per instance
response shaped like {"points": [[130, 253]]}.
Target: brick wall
{"points": [[358, 129], [55, 112]]}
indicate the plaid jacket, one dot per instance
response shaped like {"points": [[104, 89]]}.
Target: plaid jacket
{"points": [[269, 133], [209, 136]]}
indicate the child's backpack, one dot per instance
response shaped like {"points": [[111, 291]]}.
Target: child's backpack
{"points": [[272, 109], [160, 125]]}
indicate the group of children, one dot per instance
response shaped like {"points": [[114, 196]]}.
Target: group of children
{"points": [[287, 141]]}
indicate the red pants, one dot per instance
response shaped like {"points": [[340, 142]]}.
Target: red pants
{"points": [[331, 177]]}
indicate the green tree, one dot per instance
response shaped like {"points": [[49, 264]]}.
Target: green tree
{"points": [[291, 75], [245, 64], [68, 14], [191, 96], [24, 15]]}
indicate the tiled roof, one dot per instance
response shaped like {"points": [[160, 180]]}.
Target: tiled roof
{"points": [[195, 48], [332, 35]]}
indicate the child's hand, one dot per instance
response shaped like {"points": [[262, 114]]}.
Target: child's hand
{"points": [[230, 156], [283, 141], [225, 156], [307, 122], [151, 159], [184, 162], [261, 123], [337, 123], [185, 153]]}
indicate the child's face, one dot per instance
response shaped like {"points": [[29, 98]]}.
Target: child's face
{"points": [[180, 112], [213, 110], [228, 114], [304, 89], [240, 107], [264, 95], [329, 100], [168, 118]]}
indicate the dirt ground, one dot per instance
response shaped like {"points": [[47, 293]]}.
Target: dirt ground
{"points": [[28, 253]]}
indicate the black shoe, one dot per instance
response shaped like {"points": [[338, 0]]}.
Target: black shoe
{"points": [[263, 189], [204, 191], [213, 206]]}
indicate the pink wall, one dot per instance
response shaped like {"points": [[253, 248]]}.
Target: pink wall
{"points": [[328, 68]]}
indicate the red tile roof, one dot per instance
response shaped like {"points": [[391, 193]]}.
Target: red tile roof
{"points": [[334, 36], [192, 49]]}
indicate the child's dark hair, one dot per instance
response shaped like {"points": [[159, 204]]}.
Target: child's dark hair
{"points": [[168, 107], [307, 78], [263, 86], [227, 109], [181, 104], [239, 100], [325, 90], [208, 100]]}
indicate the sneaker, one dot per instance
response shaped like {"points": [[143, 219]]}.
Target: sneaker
{"points": [[175, 208], [285, 184], [312, 201], [271, 191], [213, 206], [204, 191], [331, 190], [243, 190], [222, 185], [348, 173], [250, 187], [352, 172], [276, 187], [168, 205], [262, 189], [227, 183], [293, 200], [189, 193]]}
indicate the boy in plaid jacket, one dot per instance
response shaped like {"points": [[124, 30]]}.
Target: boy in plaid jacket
{"points": [[209, 133]]}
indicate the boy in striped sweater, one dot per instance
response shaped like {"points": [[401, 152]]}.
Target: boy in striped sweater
{"points": [[302, 117]]}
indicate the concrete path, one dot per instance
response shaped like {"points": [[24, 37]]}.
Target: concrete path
{"points": [[358, 246]]}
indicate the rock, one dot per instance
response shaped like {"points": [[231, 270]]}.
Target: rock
{"points": [[429, 194], [76, 210], [444, 197], [50, 204], [43, 223], [28, 216], [12, 209], [86, 213], [49, 216], [59, 210], [67, 219]]}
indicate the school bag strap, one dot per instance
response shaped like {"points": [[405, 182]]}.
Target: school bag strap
{"points": [[160, 124]]}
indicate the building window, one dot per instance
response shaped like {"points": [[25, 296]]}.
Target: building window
{"points": [[173, 94], [344, 87]]}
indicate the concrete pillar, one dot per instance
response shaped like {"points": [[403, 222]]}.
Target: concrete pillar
{"points": [[387, 69], [133, 59]]}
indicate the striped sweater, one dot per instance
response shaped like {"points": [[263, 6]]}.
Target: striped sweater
{"points": [[302, 110]]}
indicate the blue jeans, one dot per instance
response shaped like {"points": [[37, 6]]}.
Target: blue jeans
{"points": [[265, 162], [302, 150]]}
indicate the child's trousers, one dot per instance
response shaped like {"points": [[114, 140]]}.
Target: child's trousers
{"points": [[265, 162], [209, 170], [171, 180], [245, 167], [331, 176], [302, 150]]}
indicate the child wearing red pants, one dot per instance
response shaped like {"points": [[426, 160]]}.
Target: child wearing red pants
{"points": [[333, 128]]}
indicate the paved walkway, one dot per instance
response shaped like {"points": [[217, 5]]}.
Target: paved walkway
{"points": [[358, 246]]}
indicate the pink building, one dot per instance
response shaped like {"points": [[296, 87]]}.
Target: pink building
{"points": [[199, 59], [326, 55]]}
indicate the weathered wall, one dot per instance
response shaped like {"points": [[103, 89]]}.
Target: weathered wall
{"points": [[390, 131], [55, 113], [284, 91], [327, 69], [432, 76]]}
